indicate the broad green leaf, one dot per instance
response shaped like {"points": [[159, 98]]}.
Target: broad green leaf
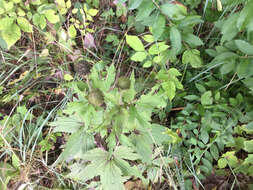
{"points": [[68, 77], [245, 16], [249, 159], [77, 144], [174, 11], [126, 169], [129, 95], [248, 146], [173, 72], [67, 124], [39, 20], [12, 35], [72, 31], [222, 163], [192, 40], [135, 43], [110, 78], [244, 47], [159, 135], [52, 16], [139, 56], [143, 146], [229, 29], [134, 4], [111, 177], [206, 98], [207, 164], [227, 67], [157, 48], [170, 89], [6, 23], [175, 38], [245, 68], [24, 24], [192, 57], [124, 152], [190, 21], [145, 10], [93, 12], [15, 161], [191, 97], [204, 136], [96, 155], [158, 26], [249, 126], [214, 152], [147, 64], [148, 38]]}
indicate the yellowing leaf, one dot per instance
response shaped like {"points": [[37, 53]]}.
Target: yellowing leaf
{"points": [[92, 12], [148, 38], [135, 43], [68, 77], [72, 31], [12, 35], [139, 56], [24, 24], [52, 16]]}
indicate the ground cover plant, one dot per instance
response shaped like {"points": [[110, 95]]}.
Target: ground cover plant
{"points": [[126, 94]]}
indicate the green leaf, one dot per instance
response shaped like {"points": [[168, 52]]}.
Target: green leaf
{"points": [[139, 56], [229, 29], [158, 26], [96, 155], [191, 97], [72, 31], [175, 38], [78, 143], [204, 136], [92, 12], [147, 64], [135, 43], [170, 89], [24, 24], [126, 169], [145, 10], [110, 78], [134, 4], [39, 20], [245, 68], [52, 16], [11, 35], [248, 146], [111, 177], [124, 152], [148, 38], [214, 152], [15, 161], [249, 126], [6, 23], [143, 146], [192, 40], [174, 11], [157, 48], [206, 98], [68, 77], [244, 47], [222, 163], [192, 56], [67, 124]]}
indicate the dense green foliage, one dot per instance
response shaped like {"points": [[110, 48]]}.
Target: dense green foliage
{"points": [[154, 91]]}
